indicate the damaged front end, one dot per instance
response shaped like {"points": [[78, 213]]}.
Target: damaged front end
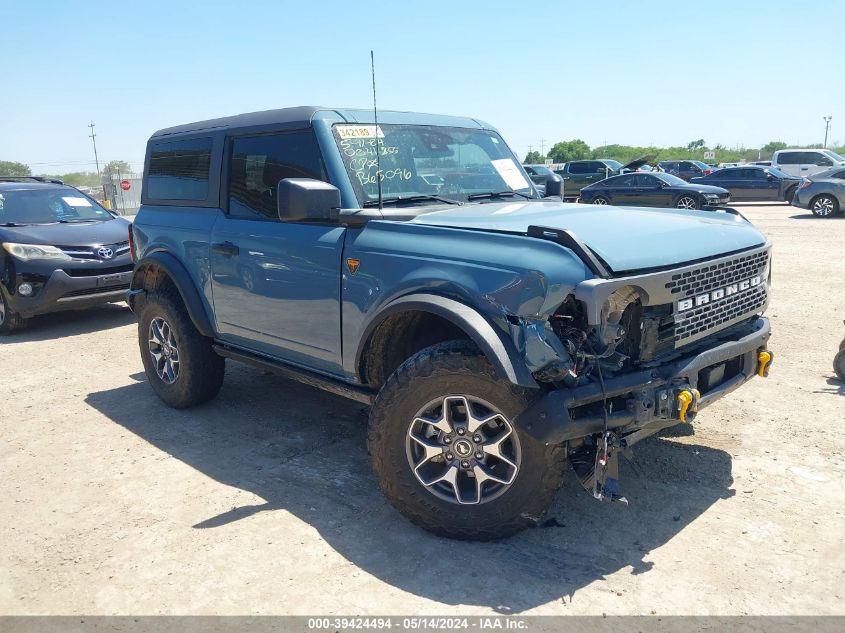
{"points": [[622, 358]]}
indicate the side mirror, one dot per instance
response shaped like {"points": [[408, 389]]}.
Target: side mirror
{"points": [[307, 200], [826, 162], [769, 177], [554, 186]]}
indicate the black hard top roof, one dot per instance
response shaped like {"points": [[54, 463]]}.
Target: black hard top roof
{"points": [[300, 114]]}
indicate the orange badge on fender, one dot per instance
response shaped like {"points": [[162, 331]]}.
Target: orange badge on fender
{"points": [[352, 265]]}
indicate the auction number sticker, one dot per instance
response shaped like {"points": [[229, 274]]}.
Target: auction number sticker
{"points": [[359, 131]]}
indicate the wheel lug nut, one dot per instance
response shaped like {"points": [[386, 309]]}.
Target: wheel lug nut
{"points": [[447, 440], [461, 431], [476, 438], [479, 455], [449, 456], [464, 464]]}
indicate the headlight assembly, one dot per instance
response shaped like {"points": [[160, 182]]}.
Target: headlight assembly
{"points": [[26, 252]]}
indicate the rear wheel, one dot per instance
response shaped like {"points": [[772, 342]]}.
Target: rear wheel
{"points": [[790, 194], [824, 206], [686, 202], [181, 366], [447, 454], [600, 200], [9, 319]]}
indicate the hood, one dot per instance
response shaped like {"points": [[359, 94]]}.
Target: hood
{"points": [[82, 234], [626, 238], [638, 162]]}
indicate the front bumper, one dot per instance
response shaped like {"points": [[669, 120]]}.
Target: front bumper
{"points": [[64, 292], [561, 415]]}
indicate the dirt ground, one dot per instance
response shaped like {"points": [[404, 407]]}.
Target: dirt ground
{"points": [[262, 501]]}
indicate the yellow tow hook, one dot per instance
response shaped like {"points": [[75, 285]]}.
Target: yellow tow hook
{"points": [[688, 404], [764, 360]]}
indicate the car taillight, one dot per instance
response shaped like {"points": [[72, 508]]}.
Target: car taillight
{"points": [[707, 172], [132, 245], [807, 182]]}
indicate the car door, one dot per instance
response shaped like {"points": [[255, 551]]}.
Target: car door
{"points": [[650, 192], [814, 162], [730, 178], [790, 163], [761, 185], [276, 285], [621, 190]]}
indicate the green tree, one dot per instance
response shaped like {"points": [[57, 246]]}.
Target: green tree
{"points": [[534, 158], [569, 150], [770, 148], [117, 167], [11, 168], [692, 146]]}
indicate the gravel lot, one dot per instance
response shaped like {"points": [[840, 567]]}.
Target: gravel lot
{"points": [[262, 501]]}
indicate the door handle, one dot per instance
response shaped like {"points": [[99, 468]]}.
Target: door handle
{"points": [[226, 249]]}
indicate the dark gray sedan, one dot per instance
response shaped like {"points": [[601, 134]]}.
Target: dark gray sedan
{"points": [[822, 193]]}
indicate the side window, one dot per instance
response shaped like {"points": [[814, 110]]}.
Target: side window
{"points": [[621, 181], [257, 165], [730, 173], [179, 169], [598, 167], [756, 174], [577, 168], [643, 180], [789, 158], [817, 158]]}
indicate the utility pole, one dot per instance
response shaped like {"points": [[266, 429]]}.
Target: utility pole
{"points": [[93, 138], [543, 146], [826, 126]]}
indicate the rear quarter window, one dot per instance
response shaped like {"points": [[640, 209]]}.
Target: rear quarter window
{"points": [[179, 170]]}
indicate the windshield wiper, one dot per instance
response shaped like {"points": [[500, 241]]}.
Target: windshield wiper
{"points": [[78, 220], [418, 198], [13, 224], [498, 194]]}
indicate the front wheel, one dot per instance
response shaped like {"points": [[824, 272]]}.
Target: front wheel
{"points": [[600, 200], [9, 319], [839, 365], [824, 206], [686, 202], [446, 451]]}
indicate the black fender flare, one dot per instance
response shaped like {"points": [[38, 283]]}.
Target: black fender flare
{"points": [[181, 279], [496, 346]]}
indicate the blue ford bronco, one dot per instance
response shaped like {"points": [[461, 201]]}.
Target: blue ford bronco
{"points": [[408, 262]]}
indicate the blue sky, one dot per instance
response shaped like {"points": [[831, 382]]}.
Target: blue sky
{"points": [[738, 73]]}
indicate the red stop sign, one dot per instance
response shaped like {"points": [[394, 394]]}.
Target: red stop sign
{"points": [[125, 185]]}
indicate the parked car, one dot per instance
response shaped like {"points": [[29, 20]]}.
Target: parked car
{"points": [[540, 175], [753, 183], [806, 162], [653, 190], [684, 169], [822, 193], [60, 250], [487, 328], [577, 174]]}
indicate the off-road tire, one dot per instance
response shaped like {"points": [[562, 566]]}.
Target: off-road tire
{"points": [[201, 369], [839, 365], [457, 367], [11, 320]]}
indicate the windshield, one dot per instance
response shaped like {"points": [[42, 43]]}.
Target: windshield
{"points": [[833, 155], [700, 165], [670, 179], [615, 165], [428, 163], [46, 206]]}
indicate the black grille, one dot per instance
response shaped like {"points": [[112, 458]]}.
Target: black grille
{"points": [[714, 314], [706, 278], [94, 272], [692, 323], [95, 291]]}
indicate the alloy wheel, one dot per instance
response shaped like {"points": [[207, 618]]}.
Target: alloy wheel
{"points": [[823, 206], [463, 450], [686, 202], [2, 310], [599, 201], [164, 351]]}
